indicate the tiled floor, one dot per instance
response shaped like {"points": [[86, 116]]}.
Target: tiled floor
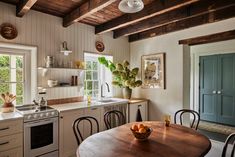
{"points": [[216, 149]]}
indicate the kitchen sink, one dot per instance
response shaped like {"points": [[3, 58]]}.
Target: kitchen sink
{"points": [[107, 100]]}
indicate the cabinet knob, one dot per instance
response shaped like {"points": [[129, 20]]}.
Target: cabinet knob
{"points": [[219, 92], [214, 92], [61, 117]]}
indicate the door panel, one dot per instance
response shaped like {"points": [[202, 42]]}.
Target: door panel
{"points": [[208, 85], [226, 88], [96, 113]]}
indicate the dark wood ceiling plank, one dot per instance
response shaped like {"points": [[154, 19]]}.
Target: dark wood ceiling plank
{"points": [[196, 9], [222, 36], [210, 17], [150, 10], [24, 6], [86, 9]]}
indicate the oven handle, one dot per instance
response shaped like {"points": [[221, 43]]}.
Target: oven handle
{"points": [[41, 122]]}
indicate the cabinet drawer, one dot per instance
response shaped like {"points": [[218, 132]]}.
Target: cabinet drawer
{"points": [[11, 127], [12, 141], [17, 152]]}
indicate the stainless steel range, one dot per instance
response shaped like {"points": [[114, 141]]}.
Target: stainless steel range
{"points": [[40, 130]]}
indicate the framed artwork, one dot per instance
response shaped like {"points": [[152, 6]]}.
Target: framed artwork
{"points": [[153, 71]]}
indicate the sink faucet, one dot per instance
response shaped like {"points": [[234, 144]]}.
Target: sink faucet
{"points": [[102, 96]]}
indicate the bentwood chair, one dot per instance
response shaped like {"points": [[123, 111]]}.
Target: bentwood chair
{"points": [[77, 131], [230, 139], [114, 117], [196, 117]]}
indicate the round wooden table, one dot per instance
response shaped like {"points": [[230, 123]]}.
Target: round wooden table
{"points": [[173, 141]]}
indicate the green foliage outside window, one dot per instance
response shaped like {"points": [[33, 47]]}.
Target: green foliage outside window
{"points": [[5, 77]]}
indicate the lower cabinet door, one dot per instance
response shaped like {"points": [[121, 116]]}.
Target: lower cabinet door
{"points": [[133, 108], [67, 140], [96, 113], [16, 152]]}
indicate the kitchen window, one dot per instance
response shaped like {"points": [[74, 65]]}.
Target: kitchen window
{"points": [[96, 75], [12, 76], [18, 72]]}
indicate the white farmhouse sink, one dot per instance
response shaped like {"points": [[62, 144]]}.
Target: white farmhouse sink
{"points": [[107, 100]]}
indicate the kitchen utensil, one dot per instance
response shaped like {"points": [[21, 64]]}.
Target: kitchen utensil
{"points": [[49, 60]]}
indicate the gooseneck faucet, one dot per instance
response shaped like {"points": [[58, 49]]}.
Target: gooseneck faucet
{"points": [[102, 96]]}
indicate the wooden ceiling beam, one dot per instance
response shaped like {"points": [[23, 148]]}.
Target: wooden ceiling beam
{"points": [[222, 36], [155, 8], [196, 9], [210, 17], [84, 10], [24, 6]]}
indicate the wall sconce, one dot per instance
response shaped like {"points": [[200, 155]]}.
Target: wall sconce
{"points": [[64, 49]]}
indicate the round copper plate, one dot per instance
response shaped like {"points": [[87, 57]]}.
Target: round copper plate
{"points": [[8, 31], [99, 46]]}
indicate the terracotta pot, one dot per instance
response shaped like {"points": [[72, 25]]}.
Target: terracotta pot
{"points": [[126, 92], [7, 107]]}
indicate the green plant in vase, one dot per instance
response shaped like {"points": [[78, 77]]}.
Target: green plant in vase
{"points": [[123, 76]]}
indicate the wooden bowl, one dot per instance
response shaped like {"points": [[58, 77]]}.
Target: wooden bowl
{"points": [[142, 136], [8, 31]]}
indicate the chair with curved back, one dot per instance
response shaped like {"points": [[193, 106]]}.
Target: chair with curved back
{"points": [[77, 131], [230, 139], [196, 117], [112, 115]]}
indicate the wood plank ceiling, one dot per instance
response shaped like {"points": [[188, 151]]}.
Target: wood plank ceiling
{"points": [[158, 16]]}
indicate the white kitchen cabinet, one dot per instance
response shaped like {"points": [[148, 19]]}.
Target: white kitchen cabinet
{"points": [[133, 107], [16, 152], [67, 140], [96, 113], [11, 138]]}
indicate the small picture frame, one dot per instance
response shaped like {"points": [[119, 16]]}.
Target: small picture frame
{"points": [[153, 71]]}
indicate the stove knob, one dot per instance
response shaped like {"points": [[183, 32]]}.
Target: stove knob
{"points": [[35, 116], [52, 113], [47, 114], [41, 115], [29, 117]]}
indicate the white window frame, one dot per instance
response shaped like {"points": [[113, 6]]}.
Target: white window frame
{"points": [[24, 68], [30, 73], [104, 75]]}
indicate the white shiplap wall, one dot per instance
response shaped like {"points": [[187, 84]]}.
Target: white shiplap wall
{"points": [[47, 33]]}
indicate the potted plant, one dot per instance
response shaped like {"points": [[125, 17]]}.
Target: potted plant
{"points": [[7, 105], [123, 76]]}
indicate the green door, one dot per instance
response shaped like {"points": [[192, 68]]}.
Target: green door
{"points": [[217, 88], [226, 89], [208, 86]]}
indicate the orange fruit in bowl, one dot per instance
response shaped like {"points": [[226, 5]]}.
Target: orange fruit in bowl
{"points": [[142, 130], [134, 127], [140, 126]]}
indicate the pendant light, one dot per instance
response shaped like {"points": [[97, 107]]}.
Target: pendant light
{"points": [[131, 6]]}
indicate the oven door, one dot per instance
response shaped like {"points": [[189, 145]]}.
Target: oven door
{"points": [[40, 137]]}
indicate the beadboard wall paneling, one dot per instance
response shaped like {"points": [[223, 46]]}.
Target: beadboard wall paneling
{"points": [[47, 33]]}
